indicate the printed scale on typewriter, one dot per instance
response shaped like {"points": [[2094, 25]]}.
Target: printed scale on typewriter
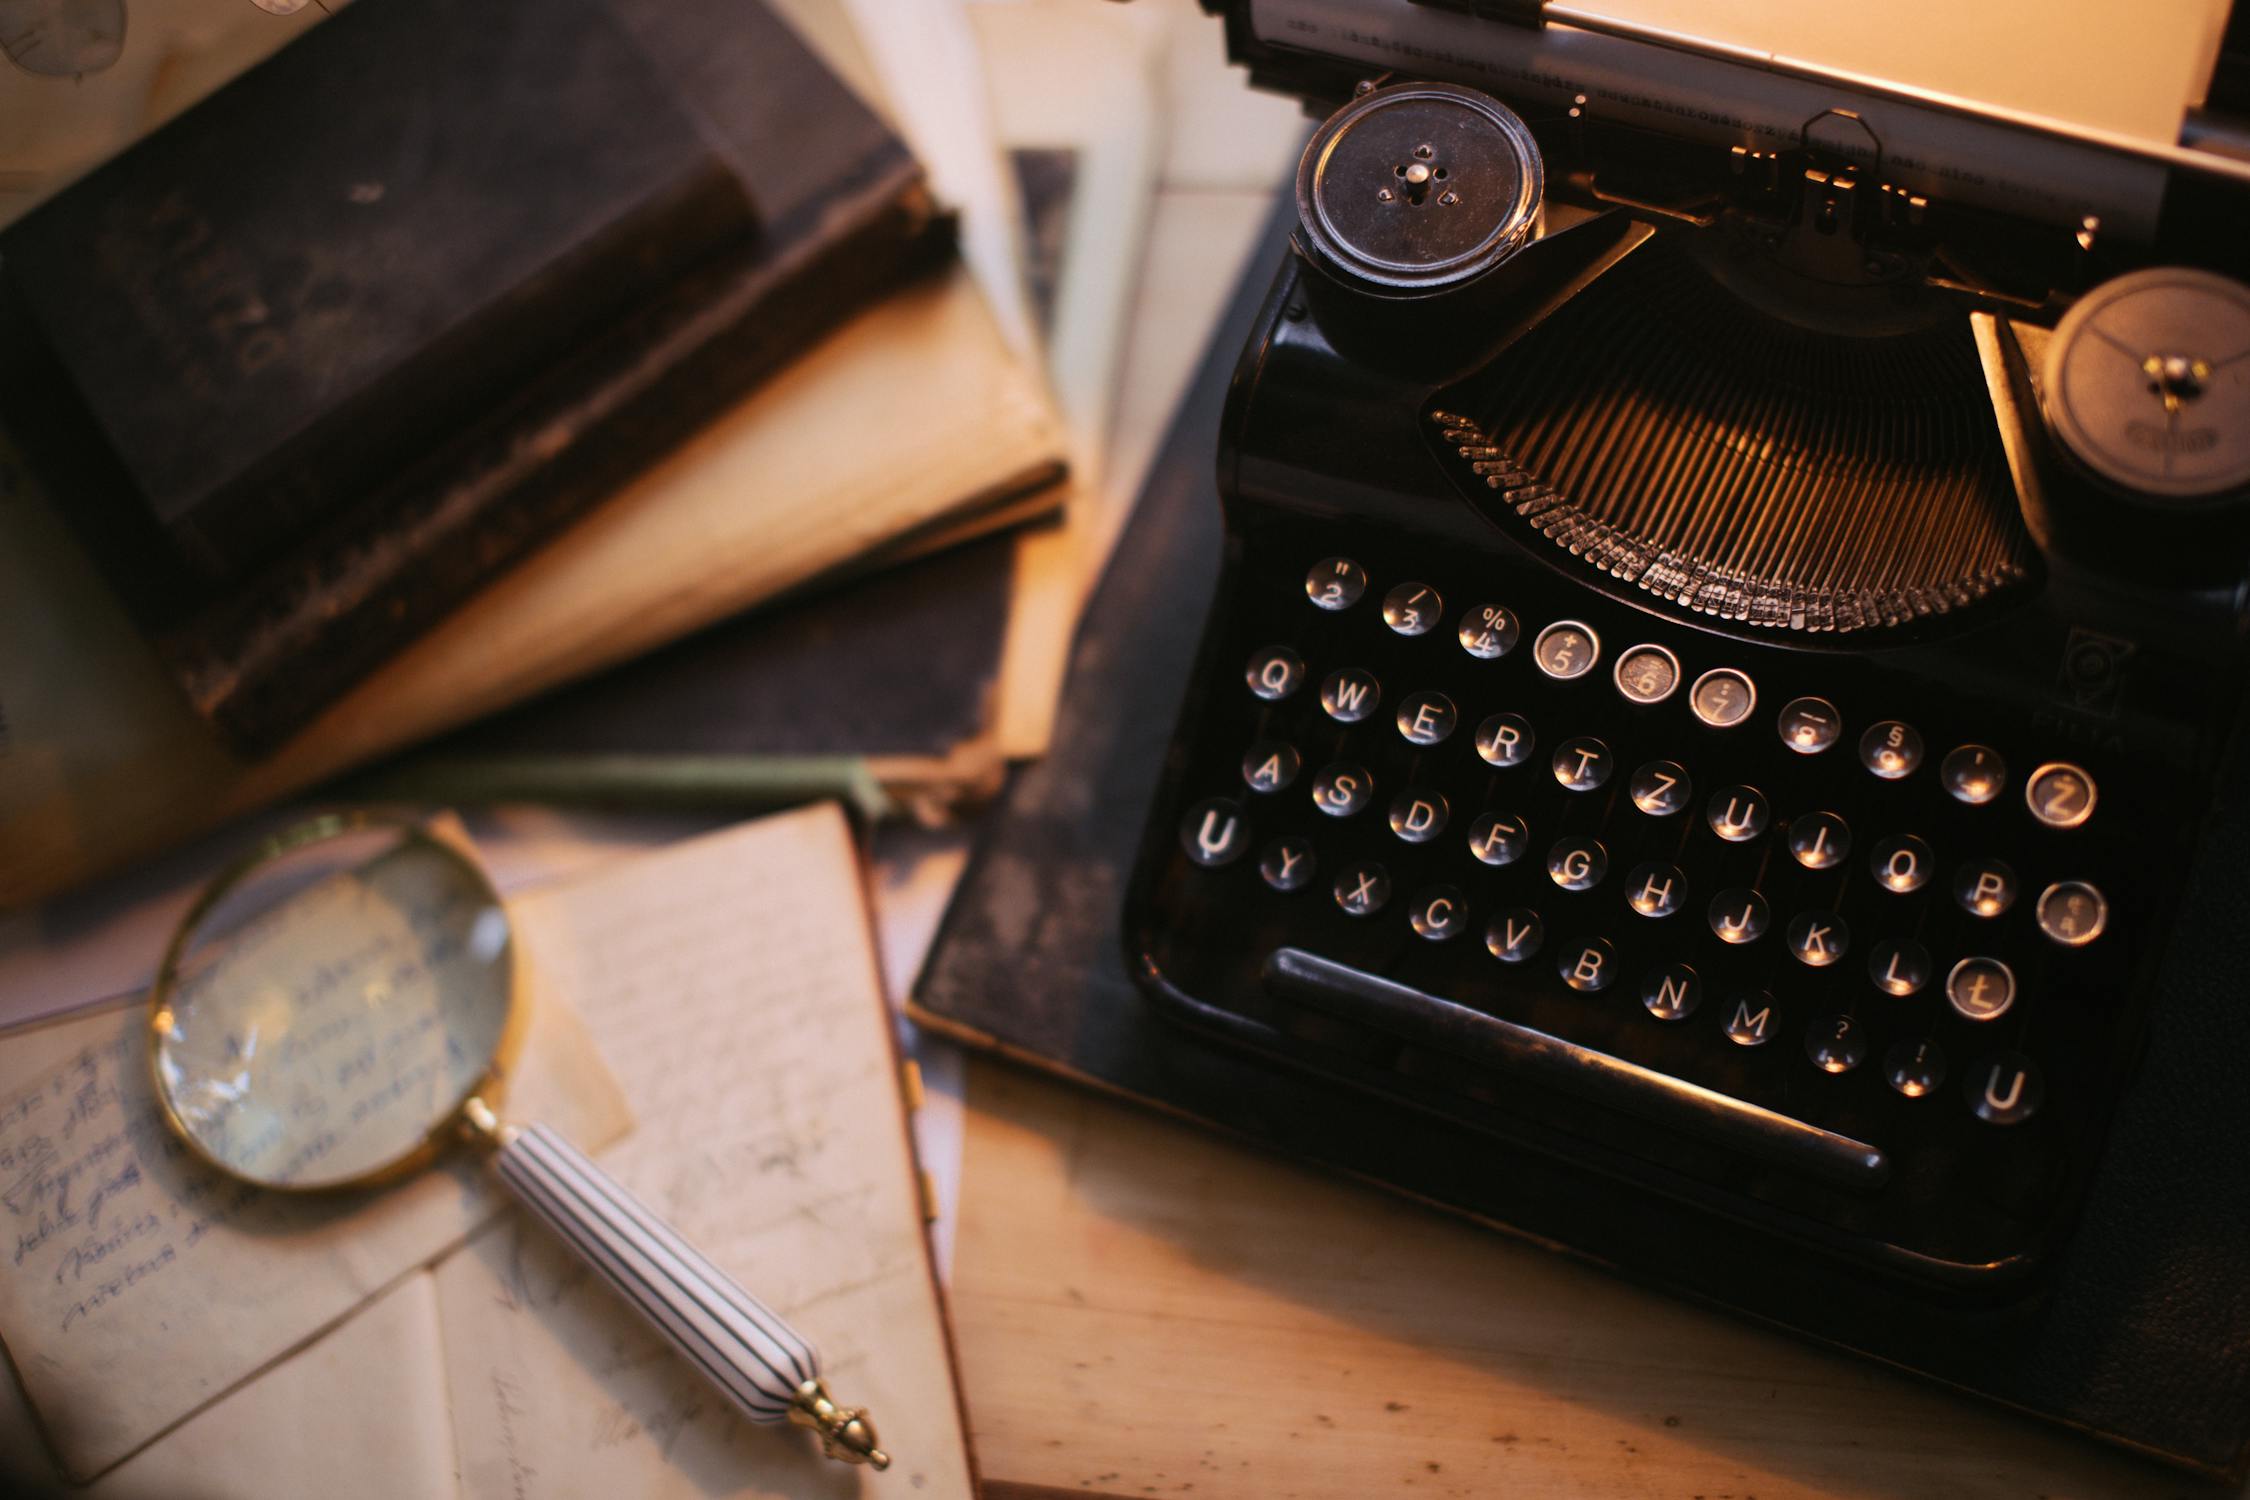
{"points": [[1728, 621]]}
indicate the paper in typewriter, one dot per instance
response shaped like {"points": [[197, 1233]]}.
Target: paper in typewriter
{"points": [[731, 983], [137, 1285]]}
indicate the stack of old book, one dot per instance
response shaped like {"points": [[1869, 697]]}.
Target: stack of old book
{"points": [[423, 381]]}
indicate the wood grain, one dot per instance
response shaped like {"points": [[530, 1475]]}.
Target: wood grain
{"points": [[1141, 1309]]}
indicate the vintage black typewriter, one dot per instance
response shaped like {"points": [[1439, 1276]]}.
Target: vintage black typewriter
{"points": [[1727, 626]]}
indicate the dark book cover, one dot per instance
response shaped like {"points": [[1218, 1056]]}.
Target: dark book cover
{"points": [[2143, 1336], [349, 337]]}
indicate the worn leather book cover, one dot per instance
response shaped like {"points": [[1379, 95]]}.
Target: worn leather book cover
{"points": [[2142, 1333], [320, 356]]}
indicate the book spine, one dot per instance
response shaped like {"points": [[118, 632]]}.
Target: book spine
{"points": [[327, 619]]}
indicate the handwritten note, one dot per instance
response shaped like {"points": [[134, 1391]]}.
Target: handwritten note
{"points": [[731, 983], [137, 1285]]}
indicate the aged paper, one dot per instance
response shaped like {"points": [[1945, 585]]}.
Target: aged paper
{"points": [[137, 1285], [730, 982], [357, 1415]]}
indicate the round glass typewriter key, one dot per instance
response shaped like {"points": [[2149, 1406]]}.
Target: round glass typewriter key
{"points": [[1738, 814], [1505, 740], [1647, 674], [1915, 1069], [1752, 1021], [1342, 788], [1984, 887], [1723, 697], [1891, 749], [1581, 764], [1488, 632], [1413, 609], [1660, 788], [1973, 774], [1819, 840], [1270, 766], [1439, 914], [1336, 583], [1739, 916], [1589, 967], [2004, 1089], [1577, 864], [1364, 889], [1810, 725], [2059, 794], [1898, 966], [1818, 938], [1418, 817], [1287, 863], [1567, 649], [1902, 864], [1215, 832], [1672, 992], [1980, 989], [1515, 935], [1836, 1044], [1349, 695], [1499, 838], [1655, 889], [1427, 718], [1275, 673], [2072, 913]]}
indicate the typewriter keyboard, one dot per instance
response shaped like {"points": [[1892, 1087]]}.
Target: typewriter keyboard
{"points": [[1801, 925]]}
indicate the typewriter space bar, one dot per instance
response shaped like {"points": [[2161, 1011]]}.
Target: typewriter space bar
{"points": [[1443, 1026]]}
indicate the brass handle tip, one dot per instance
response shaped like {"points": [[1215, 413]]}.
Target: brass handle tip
{"points": [[846, 1434]]}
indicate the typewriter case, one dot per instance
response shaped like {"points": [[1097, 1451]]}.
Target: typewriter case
{"points": [[1698, 687]]}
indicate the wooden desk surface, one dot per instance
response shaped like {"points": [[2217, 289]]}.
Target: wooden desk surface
{"points": [[1144, 1309]]}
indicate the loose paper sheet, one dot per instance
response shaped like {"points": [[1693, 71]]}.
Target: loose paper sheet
{"points": [[357, 1415], [731, 983], [137, 1285]]}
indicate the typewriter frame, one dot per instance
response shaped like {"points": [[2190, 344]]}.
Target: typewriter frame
{"points": [[1321, 446]]}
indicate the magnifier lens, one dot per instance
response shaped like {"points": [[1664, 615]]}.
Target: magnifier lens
{"points": [[334, 1006]]}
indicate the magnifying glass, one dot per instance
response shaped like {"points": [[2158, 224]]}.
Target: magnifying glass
{"points": [[342, 1004]]}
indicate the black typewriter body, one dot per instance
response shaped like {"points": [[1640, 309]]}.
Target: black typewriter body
{"points": [[1683, 713]]}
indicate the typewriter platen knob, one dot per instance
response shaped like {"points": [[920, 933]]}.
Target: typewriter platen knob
{"points": [[2147, 384], [1418, 188]]}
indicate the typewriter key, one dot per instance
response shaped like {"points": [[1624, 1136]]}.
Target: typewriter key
{"points": [[1567, 649], [1505, 740], [1738, 916], [1984, 887], [1336, 583], [1973, 773], [1980, 989], [1752, 1020], [1287, 863], [1810, 725], [2072, 912], [1364, 889], [1413, 609], [1349, 695], [1588, 968], [1271, 766], [1672, 993], [1515, 935], [1582, 764], [1215, 832], [1660, 788], [1898, 966], [1647, 674], [1498, 839], [1577, 864], [1915, 1069], [1655, 889], [1426, 718], [1890, 749], [1818, 938], [1901, 864], [1723, 697], [1275, 673], [1836, 1044], [1819, 840], [2060, 795], [1342, 788], [2005, 1089], [1418, 817], [1738, 814], [1489, 632], [1439, 914]]}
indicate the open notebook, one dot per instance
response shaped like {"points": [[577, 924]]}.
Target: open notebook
{"points": [[730, 984]]}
